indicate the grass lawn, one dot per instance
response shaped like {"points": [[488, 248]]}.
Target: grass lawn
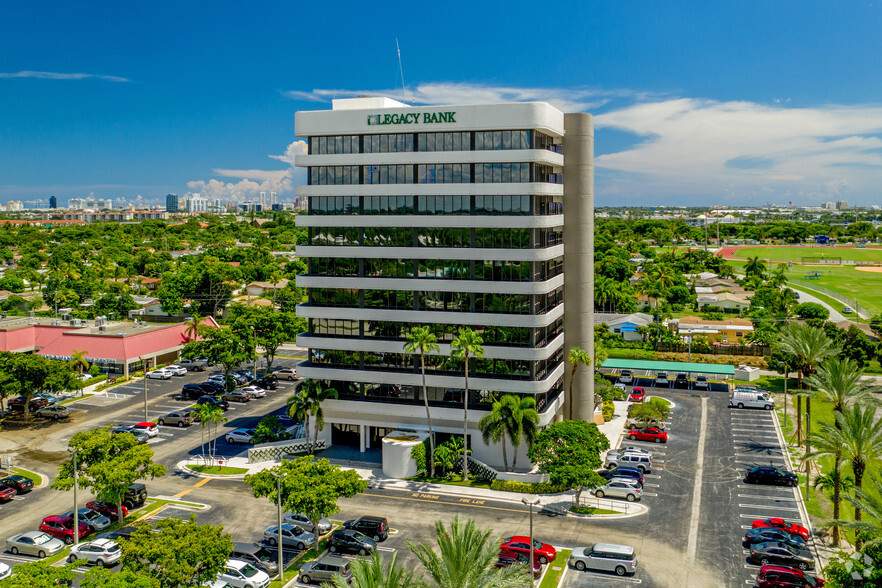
{"points": [[555, 571], [217, 470], [590, 510], [471, 482], [796, 253]]}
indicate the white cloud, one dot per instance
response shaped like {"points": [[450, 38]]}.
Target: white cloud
{"points": [[52, 75]]}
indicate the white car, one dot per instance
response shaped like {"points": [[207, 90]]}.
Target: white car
{"points": [[5, 571], [160, 374], [630, 449], [240, 436], [176, 370], [242, 574], [254, 391], [626, 377], [619, 489], [102, 552], [287, 373]]}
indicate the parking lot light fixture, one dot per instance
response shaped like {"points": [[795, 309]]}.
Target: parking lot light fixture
{"points": [[144, 366], [76, 512], [279, 528], [531, 503]]}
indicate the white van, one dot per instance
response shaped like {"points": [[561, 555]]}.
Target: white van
{"points": [[751, 398], [606, 557]]}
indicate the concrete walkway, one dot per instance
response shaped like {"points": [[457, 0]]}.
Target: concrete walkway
{"points": [[835, 315]]}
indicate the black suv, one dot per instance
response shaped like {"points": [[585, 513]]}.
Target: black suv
{"points": [[192, 391], [213, 387], [351, 541], [213, 401], [377, 528], [269, 382], [135, 496], [770, 475]]}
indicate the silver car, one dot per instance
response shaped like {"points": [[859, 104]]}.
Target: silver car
{"points": [[55, 412], [292, 536], [301, 520], [36, 543], [606, 557], [102, 552], [619, 489], [93, 518], [325, 569]]}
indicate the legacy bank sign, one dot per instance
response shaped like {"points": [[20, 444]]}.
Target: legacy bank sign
{"points": [[411, 118]]}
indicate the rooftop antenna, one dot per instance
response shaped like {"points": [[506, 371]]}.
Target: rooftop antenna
{"points": [[400, 70]]}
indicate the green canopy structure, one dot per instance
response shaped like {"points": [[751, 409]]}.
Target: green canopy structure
{"points": [[713, 369]]}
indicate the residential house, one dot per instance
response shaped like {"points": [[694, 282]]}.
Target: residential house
{"points": [[626, 325], [730, 331], [261, 288]]}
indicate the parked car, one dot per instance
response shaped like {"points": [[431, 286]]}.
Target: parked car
{"points": [[543, 553], [682, 380], [176, 370], [107, 509], [634, 460], [7, 493], [35, 543], [206, 399], [51, 398], [56, 412], [377, 528], [241, 574], [254, 391], [160, 374], [620, 489], [292, 536], [770, 475], [779, 523], [661, 380], [637, 394], [102, 552], [623, 472], [766, 534], [505, 561], [192, 391], [35, 404], [121, 533], [630, 449], [701, 383], [351, 541], [148, 427], [625, 377], [236, 396], [192, 365], [213, 387], [772, 576], [325, 569], [605, 557], [847, 310], [21, 484], [301, 520], [240, 435], [654, 434], [62, 528], [751, 398], [257, 555], [286, 373], [93, 518], [141, 436], [177, 418], [268, 382], [5, 571], [135, 496], [786, 554]]}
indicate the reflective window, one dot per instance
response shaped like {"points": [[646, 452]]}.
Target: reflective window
{"points": [[444, 173], [444, 204], [495, 173], [388, 143], [388, 204], [388, 174], [334, 205], [334, 145], [451, 141], [503, 204], [333, 175], [499, 140]]}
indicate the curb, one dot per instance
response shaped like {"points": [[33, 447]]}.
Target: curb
{"points": [[182, 467]]}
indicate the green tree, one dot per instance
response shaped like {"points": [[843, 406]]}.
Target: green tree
{"points": [[465, 556], [870, 504], [38, 573], [223, 345], [176, 552], [269, 429], [79, 362], [512, 417], [26, 374], [107, 463], [812, 310], [308, 486], [876, 325], [193, 328], [99, 577], [422, 340], [374, 573], [755, 267], [211, 416], [569, 452], [306, 405], [576, 357], [466, 345]]}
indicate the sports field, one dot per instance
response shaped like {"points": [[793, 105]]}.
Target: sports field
{"points": [[798, 253]]}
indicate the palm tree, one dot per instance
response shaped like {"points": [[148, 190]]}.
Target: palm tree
{"points": [[576, 356], [512, 417], [203, 412], [809, 346], [214, 416], [838, 381], [192, 328], [465, 557], [307, 403], [373, 573], [422, 340], [755, 267], [466, 345], [79, 362], [871, 504]]}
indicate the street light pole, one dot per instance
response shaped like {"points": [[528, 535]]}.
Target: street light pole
{"points": [[144, 365], [531, 504], [279, 528], [76, 512]]}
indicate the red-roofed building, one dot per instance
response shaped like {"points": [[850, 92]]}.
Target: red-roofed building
{"points": [[116, 347]]}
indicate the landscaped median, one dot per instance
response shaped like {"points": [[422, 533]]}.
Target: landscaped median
{"points": [[555, 571], [219, 468]]}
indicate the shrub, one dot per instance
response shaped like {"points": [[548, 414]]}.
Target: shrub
{"points": [[525, 487], [419, 453], [609, 410]]}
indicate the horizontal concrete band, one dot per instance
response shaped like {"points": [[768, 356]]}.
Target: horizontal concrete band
{"points": [[424, 316], [411, 157], [451, 253], [415, 379], [384, 346], [462, 221], [432, 189], [432, 285]]}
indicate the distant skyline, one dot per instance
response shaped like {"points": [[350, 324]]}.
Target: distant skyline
{"points": [[696, 103]]}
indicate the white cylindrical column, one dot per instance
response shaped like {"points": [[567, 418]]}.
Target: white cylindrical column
{"points": [[579, 258]]}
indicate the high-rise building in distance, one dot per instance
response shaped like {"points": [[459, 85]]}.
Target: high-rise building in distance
{"points": [[53, 202], [172, 203]]}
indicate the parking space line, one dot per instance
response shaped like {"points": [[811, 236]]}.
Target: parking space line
{"points": [[768, 507], [769, 488], [762, 497], [765, 516]]}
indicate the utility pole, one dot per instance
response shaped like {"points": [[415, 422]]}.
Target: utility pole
{"points": [[144, 365], [76, 512], [531, 564], [279, 528]]}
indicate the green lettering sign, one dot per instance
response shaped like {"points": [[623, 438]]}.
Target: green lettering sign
{"points": [[411, 118]]}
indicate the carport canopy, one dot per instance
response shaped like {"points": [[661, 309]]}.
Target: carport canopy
{"points": [[711, 369]]}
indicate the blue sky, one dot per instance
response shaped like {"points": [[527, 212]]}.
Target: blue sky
{"points": [[697, 102]]}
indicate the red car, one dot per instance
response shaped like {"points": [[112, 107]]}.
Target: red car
{"points": [[62, 528], [637, 394], [520, 545], [771, 576], [654, 434], [7, 493], [779, 523], [107, 509]]}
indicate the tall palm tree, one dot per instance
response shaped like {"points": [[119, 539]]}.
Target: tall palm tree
{"points": [[576, 357], [465, 557], [213, 417], [871, 504], [512, 417], [373, 573], [809, 346], [201, 412], [79, 362], [466, 345], [192, 327], [306, 405], [838, 381], [755, 267], [422, 340], [858, 437]]}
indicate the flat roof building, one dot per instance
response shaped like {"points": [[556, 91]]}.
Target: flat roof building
{"points": [[449, 217]]}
